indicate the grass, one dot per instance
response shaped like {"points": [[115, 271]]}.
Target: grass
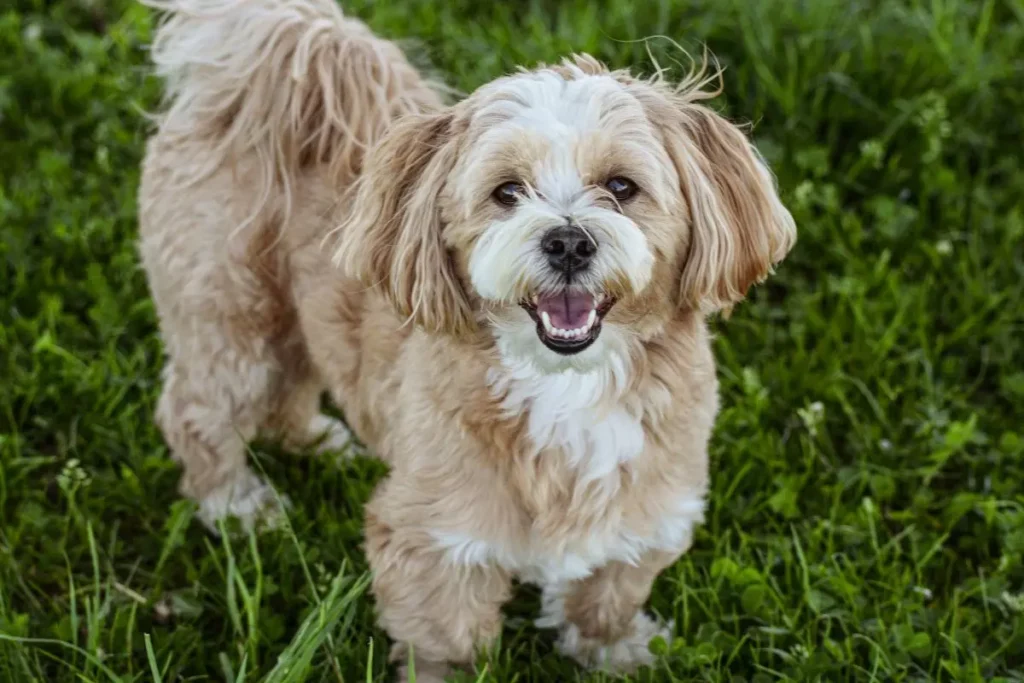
{"points": [[867, 514]]}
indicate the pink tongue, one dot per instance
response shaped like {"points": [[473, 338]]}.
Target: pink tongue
{"points": [[568, 310]]}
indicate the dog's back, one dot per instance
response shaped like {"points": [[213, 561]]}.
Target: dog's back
{"points": [[282, 85], [270, 106]]}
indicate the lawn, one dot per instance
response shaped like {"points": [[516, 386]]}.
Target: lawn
{"points": [[867, 513]]}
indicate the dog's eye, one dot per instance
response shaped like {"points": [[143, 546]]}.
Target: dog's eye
{"points": [[508, 193], [621, 188]]}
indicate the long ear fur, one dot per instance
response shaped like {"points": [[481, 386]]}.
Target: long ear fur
{"points": [[393, 239], [739, 228]]}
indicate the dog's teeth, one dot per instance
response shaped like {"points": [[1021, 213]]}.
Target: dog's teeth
{"points": [[571, 333]]}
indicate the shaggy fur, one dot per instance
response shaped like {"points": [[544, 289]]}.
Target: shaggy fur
{"points": [[313, 217]]}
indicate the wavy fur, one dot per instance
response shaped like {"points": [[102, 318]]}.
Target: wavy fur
{"points": [[509, 458], [294, 82]]}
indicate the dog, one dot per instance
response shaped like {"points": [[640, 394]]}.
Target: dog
{"points": [[506, 296]]}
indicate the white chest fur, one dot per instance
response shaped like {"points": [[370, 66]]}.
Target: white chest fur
{"points": [[584, 418], [582, 415]]}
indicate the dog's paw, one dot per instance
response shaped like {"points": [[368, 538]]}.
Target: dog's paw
{"points": [[621, 657], [248, 499]]}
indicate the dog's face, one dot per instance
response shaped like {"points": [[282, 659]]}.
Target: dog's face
{"points": [[571, 211], [561, 204]]}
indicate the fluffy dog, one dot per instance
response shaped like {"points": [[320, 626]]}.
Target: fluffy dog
{"points": [[506, 297]]}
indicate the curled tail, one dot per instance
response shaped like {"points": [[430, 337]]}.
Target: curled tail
{"points": [[293, 83]]}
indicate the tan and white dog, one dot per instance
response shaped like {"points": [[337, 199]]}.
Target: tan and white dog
{"points": [[506, 297]]}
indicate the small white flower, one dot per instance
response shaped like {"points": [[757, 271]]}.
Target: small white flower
{"points": [[73, 477], [1014, 602], [873, 151], [803, 193], [163, 611], [943, 247], [924, 592], [812, 416], [799, 652]]}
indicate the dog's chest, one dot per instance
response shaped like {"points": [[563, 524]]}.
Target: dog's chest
{"points": [[583, 508], [583, 419], [582, 500]]}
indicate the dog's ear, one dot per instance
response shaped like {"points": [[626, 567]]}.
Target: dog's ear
{"points": [[393, 239], [738, 227]]}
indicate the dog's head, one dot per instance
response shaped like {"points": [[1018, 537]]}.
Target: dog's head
{"points": [[568, 211]]}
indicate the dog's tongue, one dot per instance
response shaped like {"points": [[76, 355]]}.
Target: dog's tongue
{"points": [[567, 310]]}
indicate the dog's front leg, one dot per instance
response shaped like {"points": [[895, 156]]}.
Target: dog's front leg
{"points": [[601, 618], [438, 613]]}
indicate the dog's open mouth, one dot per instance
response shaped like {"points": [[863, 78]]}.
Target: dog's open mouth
{"points": [[567, 321]]}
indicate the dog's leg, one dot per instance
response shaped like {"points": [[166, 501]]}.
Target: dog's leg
{"points": [[297, 419], [211, 406], [441, 612], [601, 618]]}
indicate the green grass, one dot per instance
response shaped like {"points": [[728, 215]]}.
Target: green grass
{"points": [[867, 514]]}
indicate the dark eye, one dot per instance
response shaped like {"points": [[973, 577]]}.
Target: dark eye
{"points": [[508, 193], [621, 188]]}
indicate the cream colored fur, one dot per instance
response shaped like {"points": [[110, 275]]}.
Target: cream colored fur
{"points": [[313, 217]]}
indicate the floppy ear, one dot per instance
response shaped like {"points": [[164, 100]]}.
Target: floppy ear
{"points": [[393, 238], [739, 228]]}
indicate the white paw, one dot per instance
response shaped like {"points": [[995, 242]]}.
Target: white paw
{"points": [[246, 498], [623, 656], [331, 435]]}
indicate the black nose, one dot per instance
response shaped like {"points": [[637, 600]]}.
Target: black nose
{"points": [[568, 248]]}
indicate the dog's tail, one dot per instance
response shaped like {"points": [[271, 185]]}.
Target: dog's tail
{"points": [[290, 83]]}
